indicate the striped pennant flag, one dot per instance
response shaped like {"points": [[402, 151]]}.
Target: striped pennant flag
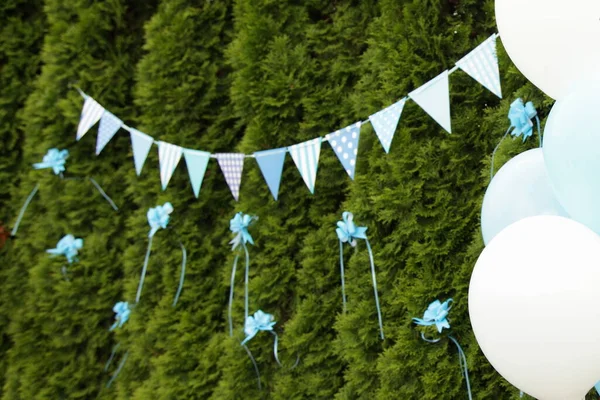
{"points": [[196, 161], [141, 144], [345, 145], [385, 123], [306, 158], [168, 157], [434, 99], [482, 65], [109, 125], [232, 165], [91, 113]]}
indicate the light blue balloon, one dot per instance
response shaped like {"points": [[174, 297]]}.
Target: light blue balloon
{"points": [[519, 190], [572, 154]]}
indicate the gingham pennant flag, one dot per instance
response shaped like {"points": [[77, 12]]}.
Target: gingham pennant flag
{"points": [[385, 123], [232, 165], [434, 99], [306, 158], [345, 145], [482, 65], [91, 113], [109, 125], [168, 157]]}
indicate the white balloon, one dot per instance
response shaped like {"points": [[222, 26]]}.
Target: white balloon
{"points": [[533, 303], [552, 42], [520, 189]]}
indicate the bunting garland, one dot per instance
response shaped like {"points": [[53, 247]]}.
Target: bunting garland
{"points": [[433, 97]]}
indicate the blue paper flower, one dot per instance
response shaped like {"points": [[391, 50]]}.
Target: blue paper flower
{"points": [[54, 159], [122, 311], [158, 217], [239, 225], [436, 315], [68, 246], [348, 232], [261, 321], [520, 116]]}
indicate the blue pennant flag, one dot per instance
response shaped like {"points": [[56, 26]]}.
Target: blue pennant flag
{"points": [[306, 157], [109, 125], [271, 166], [196, 162], [141, 144], [482, 65], [385, 123], [345, 145], [434, 98]]}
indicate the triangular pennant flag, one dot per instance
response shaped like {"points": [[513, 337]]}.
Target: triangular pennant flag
{"points": [[91, 113], [232, 165], [271, 166], [434, 98], [345, 145], [482, 65], [141, 144], [109, 125], [168, 157], [385, 123], [306, 158], [196, 162]]}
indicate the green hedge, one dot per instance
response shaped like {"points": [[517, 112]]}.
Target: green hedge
{"points": [[250, 75]]}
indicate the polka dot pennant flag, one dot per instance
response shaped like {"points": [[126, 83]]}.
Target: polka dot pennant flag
{"points": [[385, 123], [482, 65], [345, 145], [109, 125]]}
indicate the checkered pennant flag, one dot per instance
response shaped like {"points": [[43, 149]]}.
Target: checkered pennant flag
{"points": [[482, 65], [232, 165], [109, 125], [385, 123], [91, 113]]}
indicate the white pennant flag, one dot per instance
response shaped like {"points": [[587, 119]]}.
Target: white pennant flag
{"points": [[141, 144], [232, 165], [168, 157], [482, 65], [434, 98], [306, 158], [385, 123], [91, 113], [109, 125]]}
